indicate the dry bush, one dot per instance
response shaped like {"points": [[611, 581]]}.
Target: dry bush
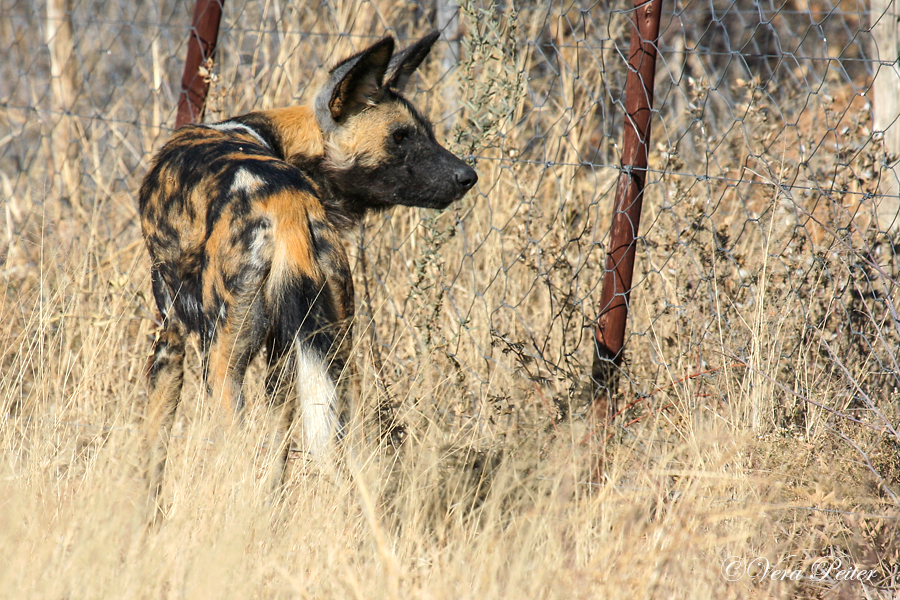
{"points": [[759, 402]]}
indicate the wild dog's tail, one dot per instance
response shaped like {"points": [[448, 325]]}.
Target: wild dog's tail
{"points": [[317, 395]]}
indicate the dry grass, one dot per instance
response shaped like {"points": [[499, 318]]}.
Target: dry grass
{"points": [[760, 409]]}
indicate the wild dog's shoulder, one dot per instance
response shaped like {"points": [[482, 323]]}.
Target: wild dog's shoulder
{"points": [[292, 132]]}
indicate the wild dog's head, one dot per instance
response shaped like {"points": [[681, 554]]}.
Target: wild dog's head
{"points": [[379, 150]]}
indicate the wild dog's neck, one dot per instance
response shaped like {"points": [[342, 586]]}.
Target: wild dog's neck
{"points": [[296, 137], [343, 210], [292, 132]]}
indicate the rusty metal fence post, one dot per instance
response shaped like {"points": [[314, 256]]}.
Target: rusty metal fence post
{"points": [[201, 49], [609, 335]]}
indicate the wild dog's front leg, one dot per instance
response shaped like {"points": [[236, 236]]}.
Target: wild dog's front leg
{"points": [[165, 378]]}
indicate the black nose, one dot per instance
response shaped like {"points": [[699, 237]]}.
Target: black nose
{"points": [[466, 177]]}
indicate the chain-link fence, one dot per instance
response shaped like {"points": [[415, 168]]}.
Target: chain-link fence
{"points": [[766, 267]]}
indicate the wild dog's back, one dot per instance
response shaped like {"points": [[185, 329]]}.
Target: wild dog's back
{"points": [[219, 210]]}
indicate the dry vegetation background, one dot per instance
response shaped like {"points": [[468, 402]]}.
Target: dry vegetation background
{"points": [[760, 393]]}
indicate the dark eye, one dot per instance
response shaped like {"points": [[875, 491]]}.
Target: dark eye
{"points": [[400, 134]]}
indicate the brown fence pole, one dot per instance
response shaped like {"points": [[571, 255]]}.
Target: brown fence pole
{"points": [[201, 48], [609, 335]]}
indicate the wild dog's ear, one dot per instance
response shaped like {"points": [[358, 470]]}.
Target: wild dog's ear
{"points": [[405, 63], [355, 82]]}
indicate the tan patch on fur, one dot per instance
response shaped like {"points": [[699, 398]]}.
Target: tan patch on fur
{"points": [[235, 157], [219, 377], [171, 185], [218, 251], [300, 134], [362, 139], [292, 241]]}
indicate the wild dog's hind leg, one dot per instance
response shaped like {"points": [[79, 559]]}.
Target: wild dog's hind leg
{"points": [[166, 377], [236, 339], [282, 392]]}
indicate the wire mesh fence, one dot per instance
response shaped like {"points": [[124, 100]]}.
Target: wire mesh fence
{"points": [[766, 263]]}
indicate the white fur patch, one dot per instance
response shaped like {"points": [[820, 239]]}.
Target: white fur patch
{"points": [[245, 181], [337, 159], [261, 242], [232, 126], [318, 395]]}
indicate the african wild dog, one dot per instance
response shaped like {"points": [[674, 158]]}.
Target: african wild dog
{"points": [[243, 221]]}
